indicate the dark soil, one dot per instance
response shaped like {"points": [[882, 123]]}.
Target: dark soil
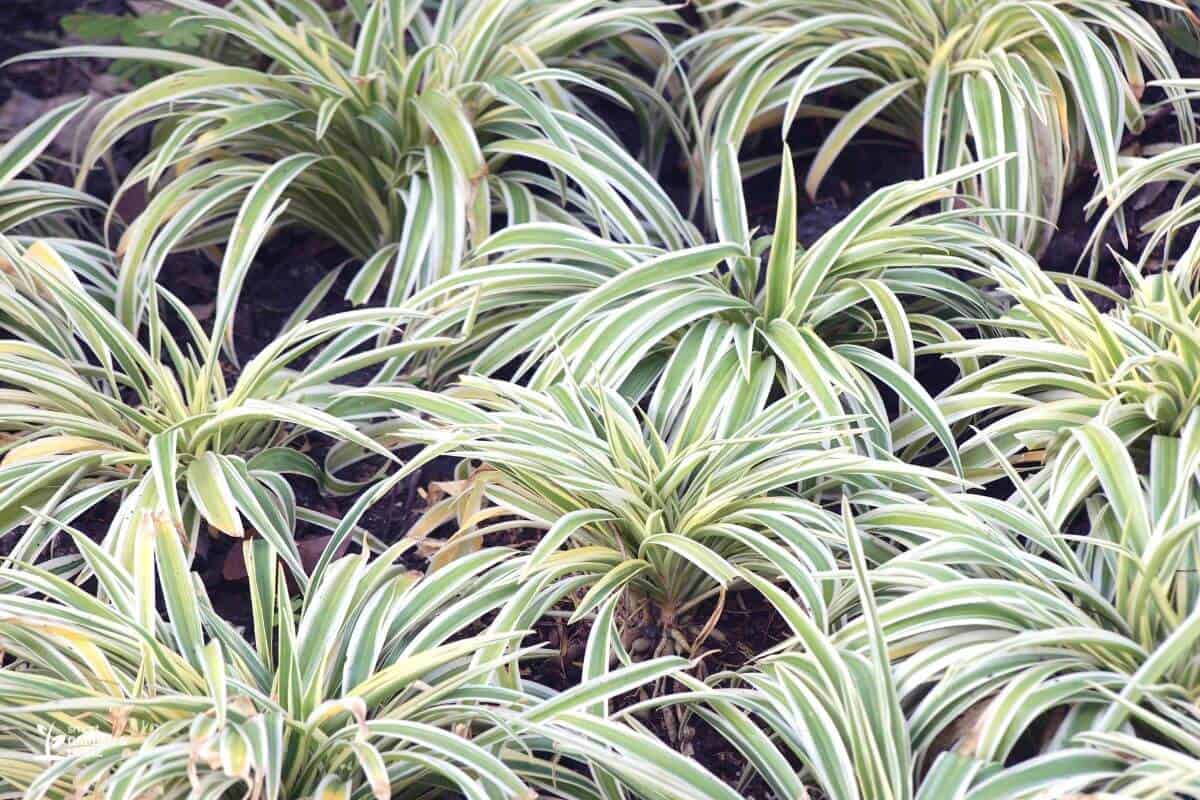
{"points": [[28, 25]]}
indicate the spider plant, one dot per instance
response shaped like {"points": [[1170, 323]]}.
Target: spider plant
{"points": [[1151, 769], [1005, 630], [420, 126], [1064, 363], [832, 709], [33, 210], [661, 510], [364, 686], [1055, 84], [1145, 176], [89, 411], [995, 632], [35, 206], [552, 302]]}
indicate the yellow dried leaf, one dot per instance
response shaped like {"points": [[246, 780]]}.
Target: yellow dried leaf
{"points": [[46, 256], [48, 446]]}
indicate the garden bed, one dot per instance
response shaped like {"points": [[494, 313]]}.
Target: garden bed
{"points": [[293, 261]]}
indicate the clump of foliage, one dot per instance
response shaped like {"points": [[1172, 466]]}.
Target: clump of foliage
{"points": [[366, 686], [665, 514], [559, 303], [1050, 83], [973, 627], [1064, 363], [417, 126], [1005, 621], [90, 411]]}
